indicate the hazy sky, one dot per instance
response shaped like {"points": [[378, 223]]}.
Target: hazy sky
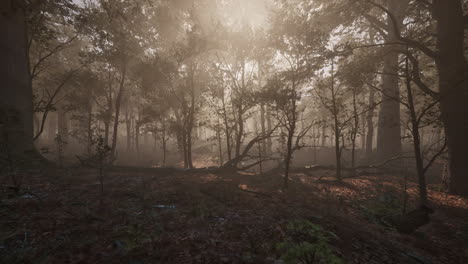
{"points": [[254, 12]]}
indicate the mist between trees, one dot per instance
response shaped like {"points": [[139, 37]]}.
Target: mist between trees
{"points": [[243, 85]]}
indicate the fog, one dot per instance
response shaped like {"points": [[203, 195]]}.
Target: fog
{"points": [[173, 123]]}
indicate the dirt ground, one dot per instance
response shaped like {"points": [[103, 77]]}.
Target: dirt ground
{"points": [[149, 216]]}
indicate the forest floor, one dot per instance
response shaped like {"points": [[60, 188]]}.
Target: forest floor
{"points": [[205, 217]]}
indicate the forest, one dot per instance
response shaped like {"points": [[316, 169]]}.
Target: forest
{"points": [[234, 131]]}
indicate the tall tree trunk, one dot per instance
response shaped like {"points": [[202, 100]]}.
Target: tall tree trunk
{"points": [[291, 130], [89, 127], [263, 128], [262, 110], [363, 131], [164, 140], [288, 153], [128, 123], [315, 139], [227, 129], [388, 136], [118, 103], [189, 149], [37, 124], [240, 129], [137, 132], [336, 124], [184, 149], [191, 116], [220, 142], [324, 135], [16, 108], [453, 86], [354, 131], [62, 123], [417, 141], [240, 111], [370, 124], [52, 126], [269, 127], [106, 130], [110, 106]]}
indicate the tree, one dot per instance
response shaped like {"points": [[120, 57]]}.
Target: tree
{"points": [[388, 134], [445, 46], [16, 108], [453, 87], [115, 29]]}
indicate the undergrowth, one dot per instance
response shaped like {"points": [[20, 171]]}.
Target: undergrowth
{"points": [[308, 243]]}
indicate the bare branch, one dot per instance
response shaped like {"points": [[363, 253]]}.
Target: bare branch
{"points": [[52, 98], [441, 150]]}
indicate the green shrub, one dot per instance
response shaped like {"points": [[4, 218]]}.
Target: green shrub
{"points": [[308, 243]]}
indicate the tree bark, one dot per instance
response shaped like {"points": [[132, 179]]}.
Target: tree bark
{"points": [[16, 108], [291, 130], [417, 141], [118, 103], [388, 136], [336, 124], [137, 132], [269, 141], [62, 123], [128, 123], [89, 127], [370, 125], [453, 87], [164, 140], [355, 130]]}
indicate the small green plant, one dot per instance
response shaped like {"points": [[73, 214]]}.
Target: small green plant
{"points": [[308, 243], [376, 209], [135, 236]]}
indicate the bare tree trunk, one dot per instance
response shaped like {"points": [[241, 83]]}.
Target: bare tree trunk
{"points": [[315, 139], [227, 129], [62, 123], [52, 126], [89, 128], [128, 123], [240, 129], [415, 130], [189, 149], [263, 128], [220, 142], [16, 107], [164, 140], [389, 137], [291, 131], [137, 132], [191, 117], [370, 125], [106, 131], [288, 153], [184, 149], [110, 106], [37, 124], [269, 127], [363, 132], [118, 103], [354, 131], [453, 86], [336, 124], [324, 135]]}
